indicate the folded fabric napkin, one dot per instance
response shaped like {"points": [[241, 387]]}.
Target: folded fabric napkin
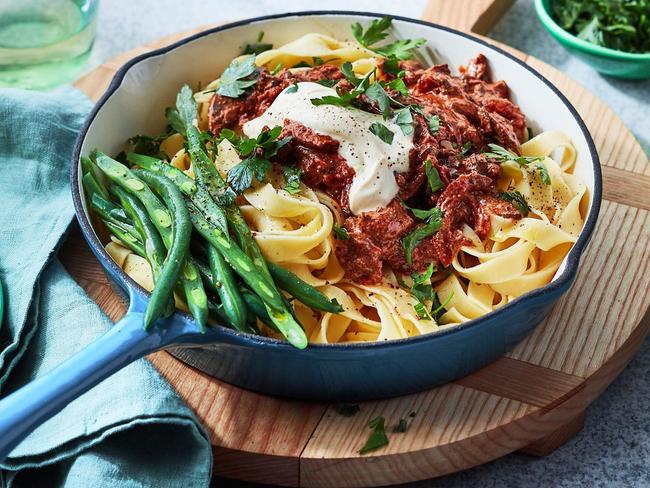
{"points": [[132, 429]]}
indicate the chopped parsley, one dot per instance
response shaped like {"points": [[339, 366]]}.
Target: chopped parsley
{"points": [[317, 61], [438, 308], [623, 25], [147, 145], [257, 153], [434, 124], [347, 409], [377, 438], [401, 427], [376, 93], [258, 46], [291, 179], [277, 69], [340, 233], [411, 240], [237, 77], [502, 155], [174, 120], [543, 174], [399, 86], [466, 148], [423, 292], [433, 177], [404, 118], [327, 83], [518, 200], [383, 132], [292, 89], [377, 31]]}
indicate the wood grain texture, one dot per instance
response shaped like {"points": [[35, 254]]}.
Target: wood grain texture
{"points": [[534, 399]]}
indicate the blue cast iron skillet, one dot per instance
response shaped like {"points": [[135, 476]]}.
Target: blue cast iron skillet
{"points": [[348, 372]]}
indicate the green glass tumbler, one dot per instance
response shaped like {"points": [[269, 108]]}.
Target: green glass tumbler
{"points": [[44, 43]]}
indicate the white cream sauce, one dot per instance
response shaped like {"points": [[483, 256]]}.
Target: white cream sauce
{"points": [[373, 160]]}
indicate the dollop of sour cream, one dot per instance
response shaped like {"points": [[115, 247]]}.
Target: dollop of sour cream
{"points": [[374, 161]]}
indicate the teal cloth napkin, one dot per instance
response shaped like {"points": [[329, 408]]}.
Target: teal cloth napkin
{"points": [[132, 429]]}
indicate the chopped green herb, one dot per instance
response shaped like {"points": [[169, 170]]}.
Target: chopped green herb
{"points": [[291, 179], [424, 214], [543, 174], [237, 77], [623, 25], [340, 233], [292, 89], [399, 86], [302, 64], [438, 308], [327, 83], [347, 409], [529, 133], [391, 66], [317, 61], [383, 132], [411, 240], [258, 46], [376, 31], [377, 438], [433, 177], [404, 118], [147, 145], [174, 119], [518, 200], [434, 124], [502, 155], [277, 69], [257, 153], [376, 93], [403, 423], [466, 147]]}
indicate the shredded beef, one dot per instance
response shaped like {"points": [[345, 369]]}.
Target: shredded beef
{"points": [[473, 112]]}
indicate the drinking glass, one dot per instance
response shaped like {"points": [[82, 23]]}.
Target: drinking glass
{"points": [[44, 43]]}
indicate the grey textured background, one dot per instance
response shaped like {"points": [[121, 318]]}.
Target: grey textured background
{"points": [[614, 447]]}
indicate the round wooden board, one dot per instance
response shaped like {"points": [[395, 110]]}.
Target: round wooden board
{"points": [[534, 399]]}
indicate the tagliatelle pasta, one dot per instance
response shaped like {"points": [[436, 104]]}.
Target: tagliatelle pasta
{"points": [[476, 217]]}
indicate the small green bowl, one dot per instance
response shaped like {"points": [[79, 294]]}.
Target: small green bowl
{"points": [[619, 64]]}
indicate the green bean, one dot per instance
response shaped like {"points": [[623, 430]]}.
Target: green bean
{"points": [[92, 186], [195, 296], [124, 177], [155, 249], [233, 303], [125, 237], [256, 308], [206, 275], [301, 290], [107, 210], [244, 267]]}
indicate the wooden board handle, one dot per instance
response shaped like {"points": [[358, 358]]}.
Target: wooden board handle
{"points": [[466, 15]]}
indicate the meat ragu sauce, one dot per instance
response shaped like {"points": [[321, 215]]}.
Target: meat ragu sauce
{"points": [[472, 110]]}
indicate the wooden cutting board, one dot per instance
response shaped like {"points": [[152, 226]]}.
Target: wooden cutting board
{"points": [[534, 399]]}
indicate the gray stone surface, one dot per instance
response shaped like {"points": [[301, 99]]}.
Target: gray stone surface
{"points": [[614, 448]]}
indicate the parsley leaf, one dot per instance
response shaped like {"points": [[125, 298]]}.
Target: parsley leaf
{"points": [[404, 118], [375, 32], [237, 77], [258, 46], [340, 233], [403, 423], [147, 145], [399, 86], [438, 309], [466, 148], [376, 93], [543, 174], [291, 179], [174, 119], [347, 409], [341, 99], [377, 438], [383, 132], [402, 49], [259, 151], [433, 177], [518, 200], [277, 69], [434, 124], [411, 240], [317, 61], [327, 83], [502, 155], [292, 89]]}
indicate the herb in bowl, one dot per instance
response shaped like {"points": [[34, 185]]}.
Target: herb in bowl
{"points": [[623, 25]]}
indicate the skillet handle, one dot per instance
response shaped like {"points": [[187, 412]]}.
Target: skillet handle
{"points": [[27, 408]]}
